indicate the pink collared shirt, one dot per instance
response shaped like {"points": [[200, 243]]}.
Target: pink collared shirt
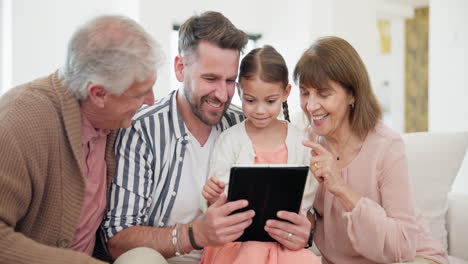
{"points": [[94, 171]]}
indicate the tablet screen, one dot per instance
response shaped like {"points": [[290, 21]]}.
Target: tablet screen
{"points": [[269, 189]]}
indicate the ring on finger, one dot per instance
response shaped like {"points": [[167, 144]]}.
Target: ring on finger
{"points": [[289, 237]]}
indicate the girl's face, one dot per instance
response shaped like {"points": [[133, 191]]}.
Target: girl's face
{"points": [[261, 101], [327, 108]]}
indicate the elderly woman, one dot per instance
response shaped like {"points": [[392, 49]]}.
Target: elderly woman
{"points": [[363, 204]]}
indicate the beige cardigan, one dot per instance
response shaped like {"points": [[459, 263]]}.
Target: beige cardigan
{"points": [[41, 181]]}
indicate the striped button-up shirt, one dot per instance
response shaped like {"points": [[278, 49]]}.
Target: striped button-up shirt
{"points": [[150, 156]]}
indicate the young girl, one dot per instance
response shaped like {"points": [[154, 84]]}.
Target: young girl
{"points": [[262, 138]]}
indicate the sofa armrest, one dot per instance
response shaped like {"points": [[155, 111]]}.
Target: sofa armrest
{"points": [[457, 225]]}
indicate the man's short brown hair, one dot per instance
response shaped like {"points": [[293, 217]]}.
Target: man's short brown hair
{"points": [[212, 27]]}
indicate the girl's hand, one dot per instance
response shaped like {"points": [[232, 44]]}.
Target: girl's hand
{"points": [[294, 234], [212, 189], [324, 167]]}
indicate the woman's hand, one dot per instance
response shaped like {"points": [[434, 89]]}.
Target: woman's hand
{"points": [[294, 234], [325, 169], [212, 189]]}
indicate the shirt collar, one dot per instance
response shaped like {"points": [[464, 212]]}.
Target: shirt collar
{"points": [[88, 132], [180, 129]]}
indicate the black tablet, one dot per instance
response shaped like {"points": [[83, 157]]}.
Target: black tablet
{"points": [[269, 189]]}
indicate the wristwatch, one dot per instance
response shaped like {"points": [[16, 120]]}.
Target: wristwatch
{"points": [[192, 237], [310, 242]]}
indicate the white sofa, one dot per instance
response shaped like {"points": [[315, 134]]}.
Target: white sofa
{"points": [[434, 160]]}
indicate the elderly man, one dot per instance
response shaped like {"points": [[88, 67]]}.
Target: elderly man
{"points": [[154, 211], [57, 138]]}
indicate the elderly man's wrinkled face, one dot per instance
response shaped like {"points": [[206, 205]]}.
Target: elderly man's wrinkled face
{"points": [[327, 108], [120, 109]]}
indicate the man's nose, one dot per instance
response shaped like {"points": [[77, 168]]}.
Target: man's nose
{"points": [[221, 92]]}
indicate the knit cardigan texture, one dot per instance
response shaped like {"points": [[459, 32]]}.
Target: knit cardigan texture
{"points": [[42, 187]]}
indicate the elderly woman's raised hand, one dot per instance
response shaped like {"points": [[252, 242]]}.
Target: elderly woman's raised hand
{"points": [[325, 168]]}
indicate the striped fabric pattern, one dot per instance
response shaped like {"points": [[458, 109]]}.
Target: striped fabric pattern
{"points": [[150, 157]]}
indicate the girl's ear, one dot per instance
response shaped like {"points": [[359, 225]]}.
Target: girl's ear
{"points": [[286, 92]]}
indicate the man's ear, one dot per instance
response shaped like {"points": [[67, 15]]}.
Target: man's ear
{"points": [[286, 92], [179, 68], [97, 95]]}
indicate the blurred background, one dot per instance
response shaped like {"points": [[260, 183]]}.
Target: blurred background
{"points": [[416, 51]]}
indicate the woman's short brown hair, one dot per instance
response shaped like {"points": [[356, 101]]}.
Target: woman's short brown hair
{"points": [[334, 59]]}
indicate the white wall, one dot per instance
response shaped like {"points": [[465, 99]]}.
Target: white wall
{"points": [[5, 45], [397, 75], [358, 25], [448, 73], [448, 60], [389, 74], [41, 29], [2, 18]]}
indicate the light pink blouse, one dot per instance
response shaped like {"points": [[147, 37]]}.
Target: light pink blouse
{"points": [[384, 226]]}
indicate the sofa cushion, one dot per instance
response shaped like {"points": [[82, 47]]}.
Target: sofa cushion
{"points": [[454, 260], [433, 163], [457, 217]]}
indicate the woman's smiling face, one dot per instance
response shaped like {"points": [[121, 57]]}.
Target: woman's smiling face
{"points": [[327, 108]]}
